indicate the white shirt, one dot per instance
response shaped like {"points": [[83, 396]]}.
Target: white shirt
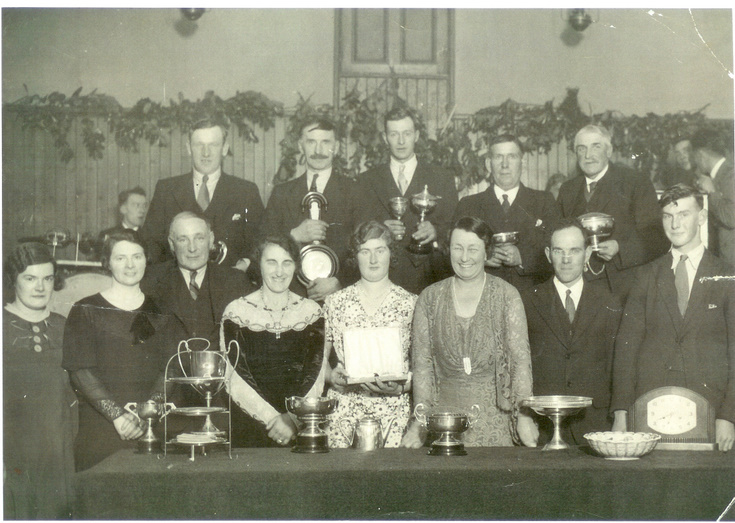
{"points": [[576, 289], [126, 225], [694, 257], [322, 179], [511, 194], [408, 170], [716, 168], [211, 182], [199, 278], [597, 177]]}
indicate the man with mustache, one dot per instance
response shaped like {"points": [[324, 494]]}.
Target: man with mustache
{"points": [[284, 214], [627, 196]]}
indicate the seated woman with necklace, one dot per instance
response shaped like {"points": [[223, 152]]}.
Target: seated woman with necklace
{"points": [[113, 352], [470, 346], [373, 302], [281, 344]]}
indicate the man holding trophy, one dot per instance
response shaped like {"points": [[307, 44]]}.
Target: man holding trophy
{"points": [[415, 199]]}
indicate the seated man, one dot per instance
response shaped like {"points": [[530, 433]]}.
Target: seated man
{"points": [[132, 205], [677, 327], [571, 330]]}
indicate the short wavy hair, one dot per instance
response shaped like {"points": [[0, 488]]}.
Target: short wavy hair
{"points": [[475, 225], [22, 257], [283, 241], [114, 238], [365, 231]]}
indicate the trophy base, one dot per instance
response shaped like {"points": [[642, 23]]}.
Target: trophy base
{"points": [[453, 450], [148, 447], [311, 444], [419, 249]]}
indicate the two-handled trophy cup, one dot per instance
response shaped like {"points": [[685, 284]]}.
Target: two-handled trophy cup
{"points": [[448, 423], [398, 207], [317, 259], [312, 412], [147, 411], [423, 202]]}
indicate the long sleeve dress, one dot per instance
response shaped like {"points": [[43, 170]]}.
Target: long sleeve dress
{"points": [[39, 412], [485, 360], [122, 352], [280, 355], [343, 310]]}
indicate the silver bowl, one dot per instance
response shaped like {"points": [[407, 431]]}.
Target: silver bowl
{"points": [[505, 238], [598, 226], [310, 406]]}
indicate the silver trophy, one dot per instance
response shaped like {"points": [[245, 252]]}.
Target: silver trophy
{"points": [[317, 260], [448, 423], [398, 207], [598, 226], [312, 412], [423, 203], [557, 408], [146, 412]]}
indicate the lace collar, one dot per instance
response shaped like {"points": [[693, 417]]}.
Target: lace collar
{"points": [[249, 311]]}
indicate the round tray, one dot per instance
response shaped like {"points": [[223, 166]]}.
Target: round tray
{"points": [[557, 402], [317, 261], [209, 441], [194, 381], [197, 411]]}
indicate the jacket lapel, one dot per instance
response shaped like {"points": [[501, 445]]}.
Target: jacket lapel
{"points": [[183, 193], [667, 290], [545, 302], [587, 310], [700, 292]]}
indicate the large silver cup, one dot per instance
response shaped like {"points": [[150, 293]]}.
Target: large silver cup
{"points": [[312, 412], [448, 423], [598, 225], [423, 203]]}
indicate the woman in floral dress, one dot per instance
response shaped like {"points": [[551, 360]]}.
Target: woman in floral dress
{"points": [[373, 302]]}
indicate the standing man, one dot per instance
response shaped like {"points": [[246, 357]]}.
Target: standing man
{"points": [[678, 326], [571, 329], [717, 179], [284, 214], [132, 205], [628, 197], [509, 206], [232, 205], [190, 288], [405, 176], [683, 169]]}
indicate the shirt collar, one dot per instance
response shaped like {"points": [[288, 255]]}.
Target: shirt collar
{"points": [[512, 193], [598, 176], [410, 164], [127, 226], [576, 289], [716, 168], [186, 273], [212, 177], [321, 181], [694, 257]]}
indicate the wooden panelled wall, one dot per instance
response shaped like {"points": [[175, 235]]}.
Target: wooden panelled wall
{"points": [[41, 192]]}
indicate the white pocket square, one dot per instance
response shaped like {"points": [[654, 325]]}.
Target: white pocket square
{"points": [[236, 217], [711, 306]]}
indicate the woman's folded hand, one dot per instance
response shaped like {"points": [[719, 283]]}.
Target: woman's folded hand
{"points": [[127, 426]]}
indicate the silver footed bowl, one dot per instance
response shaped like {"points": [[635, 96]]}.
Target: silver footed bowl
{"points": [[505, 238], [447, 422], [310, 406], [557, 402], [597, 223]]}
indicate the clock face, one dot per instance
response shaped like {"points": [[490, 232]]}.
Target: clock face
{"points": [[671, 414]]}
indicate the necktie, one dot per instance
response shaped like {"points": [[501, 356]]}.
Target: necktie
{"points": [[203, 196], [681, 281], [193, 287], [569, 306], [506, 204], [312, 187], [402, 182], [590, 190]]}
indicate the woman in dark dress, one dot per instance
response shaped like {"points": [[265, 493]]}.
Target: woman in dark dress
{"points": [[111, 350], [38, 403], [280, 335]]}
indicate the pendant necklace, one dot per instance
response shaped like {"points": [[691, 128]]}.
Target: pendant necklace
{"points": [[277, 327], [466, 362]]}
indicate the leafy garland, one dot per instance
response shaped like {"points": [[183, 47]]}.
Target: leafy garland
{"points": [[459, 147]]}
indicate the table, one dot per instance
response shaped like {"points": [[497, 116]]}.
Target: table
{"points": [[488, 483]]}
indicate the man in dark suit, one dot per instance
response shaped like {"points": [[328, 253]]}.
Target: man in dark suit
{"points": [[405, 175], [132, 206], [629, 198], [509, 206], [232, 205], [285, 215], [571, 330], [717, 179], [192, 290], [678, 326]]}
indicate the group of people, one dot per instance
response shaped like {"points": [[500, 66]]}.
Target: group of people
{"points": [[471, 321]]}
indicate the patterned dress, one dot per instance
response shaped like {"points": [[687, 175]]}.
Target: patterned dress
{"points": [[39, 411], [280, 355], [484, 360], [344, 310]]}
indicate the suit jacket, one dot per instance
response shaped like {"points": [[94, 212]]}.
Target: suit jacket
{"points": [[722, 214], [656, 347], [531, 215], [574, 359], [284, 212], [194, 318], [376, 188], [235, 212], [631, 200]]}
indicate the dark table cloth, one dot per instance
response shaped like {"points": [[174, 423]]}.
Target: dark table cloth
{"points": [[488, 483]]}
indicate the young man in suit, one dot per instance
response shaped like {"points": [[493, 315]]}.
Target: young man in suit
{"points": [[628, 197], [678, 326], [571, 330], [232, 205], [717, 179], [406, 175], [284, 214], [132, 206], [509, 206]]}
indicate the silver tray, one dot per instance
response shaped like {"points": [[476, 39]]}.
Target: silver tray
{"points": [[187, 380], [215, 441], [557, 402], [197, 411]]}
